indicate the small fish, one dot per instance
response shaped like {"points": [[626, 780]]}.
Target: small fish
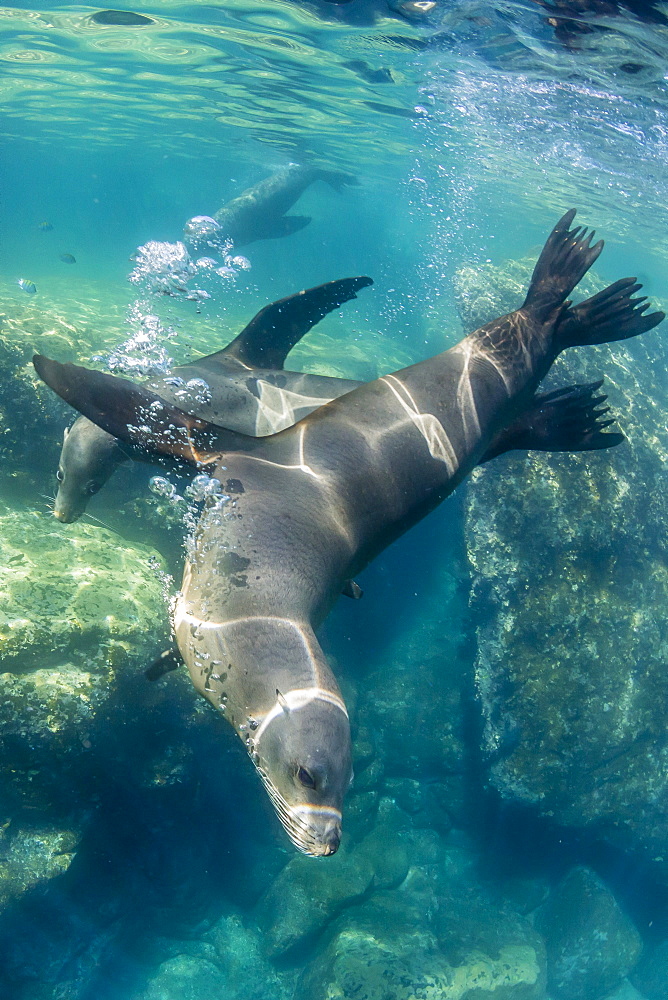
{"points": [[44, 227], [67, 258], [27, 286]]}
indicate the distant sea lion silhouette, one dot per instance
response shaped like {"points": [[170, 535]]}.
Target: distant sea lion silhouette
{"points": [[310, 506], [243, 387], [258, 213]]}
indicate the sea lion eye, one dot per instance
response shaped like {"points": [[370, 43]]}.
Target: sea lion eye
{"points": [[60, 476], [92, 488], [306, 777]]}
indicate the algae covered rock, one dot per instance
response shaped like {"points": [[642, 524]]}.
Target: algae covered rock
{"points": [[568, 558], [437, 934], [29, 410], [372, 966], [186, 977], [79, 610], [591, 944], [386, 948], [66, 589], [32, 856]]}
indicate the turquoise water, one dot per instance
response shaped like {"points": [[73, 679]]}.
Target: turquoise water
{"points": [[505, 835]]}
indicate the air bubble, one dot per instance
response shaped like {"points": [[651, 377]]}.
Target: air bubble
{"points": [[162, 487]]}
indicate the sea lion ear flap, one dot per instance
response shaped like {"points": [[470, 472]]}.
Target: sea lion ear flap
{"points": [[135, 414]]}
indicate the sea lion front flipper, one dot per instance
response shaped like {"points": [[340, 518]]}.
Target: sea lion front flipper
{"points": [[610, 315], [137, 415], [567, 419], [274, 331], [169, 659], [286, 225]]}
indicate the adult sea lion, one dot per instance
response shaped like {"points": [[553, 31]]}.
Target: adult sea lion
{"points": [[309, 507], [243, 387], [258, 213]]}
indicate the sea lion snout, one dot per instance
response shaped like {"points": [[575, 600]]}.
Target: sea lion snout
{"points": [[64, 517], [331, 841]]}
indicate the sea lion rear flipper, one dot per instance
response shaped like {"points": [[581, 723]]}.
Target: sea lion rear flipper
{"points": [[274, 331], [564, 260], [608, 316], [137, 415], [567, 419]]}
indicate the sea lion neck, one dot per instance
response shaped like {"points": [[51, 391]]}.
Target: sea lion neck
{"points": [[240, 664]]}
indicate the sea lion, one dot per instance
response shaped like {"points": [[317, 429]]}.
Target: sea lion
{"points": [[309, 507], [243, 387], [258, 213]]}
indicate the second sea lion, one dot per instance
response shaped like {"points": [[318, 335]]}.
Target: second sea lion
{"points": [[243, 387]]}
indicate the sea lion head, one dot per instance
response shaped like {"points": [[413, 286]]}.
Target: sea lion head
{"points": [[88, 457], [302, 752]]}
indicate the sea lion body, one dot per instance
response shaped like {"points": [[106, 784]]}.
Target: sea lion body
{"points": [[308, 508], [311, 506], [258, 213]]}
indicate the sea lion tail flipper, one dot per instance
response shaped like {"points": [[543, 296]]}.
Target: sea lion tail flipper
{"points": [[564, 260], [137, 415], [274, 331], [567, 419], [612, 314]]}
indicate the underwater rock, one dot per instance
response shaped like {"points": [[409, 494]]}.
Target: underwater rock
{"points": [[239, 956], [390, 947], [64, 591], [30, 856], [79, 612], [372, 966], [305, 897], [486, 291], [591, 944], [437, 934], [567, 555], [650, 975], [29, 411], [627, 991], [186, 978]]}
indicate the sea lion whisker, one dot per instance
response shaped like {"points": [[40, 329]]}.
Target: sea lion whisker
{"points": [[290, 816], [103, 523]]}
